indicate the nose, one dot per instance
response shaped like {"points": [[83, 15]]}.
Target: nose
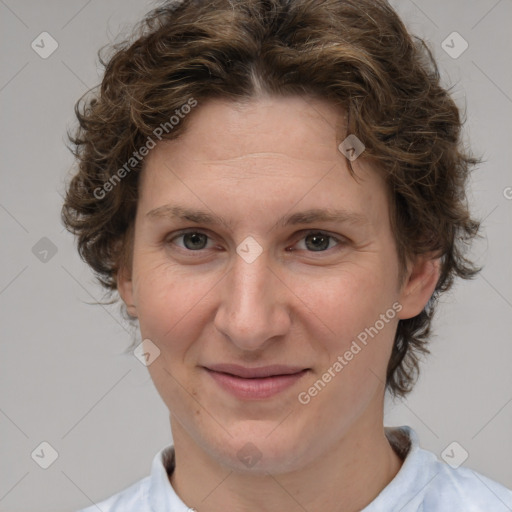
{"points": [[254, 305]]}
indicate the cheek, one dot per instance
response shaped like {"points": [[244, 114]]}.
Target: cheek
{"points": [[347, 301], [172, 313], [166, 301], [356, 341]]}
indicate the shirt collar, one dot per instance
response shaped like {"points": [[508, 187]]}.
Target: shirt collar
{"points": [[162, 497], [417, 471]]}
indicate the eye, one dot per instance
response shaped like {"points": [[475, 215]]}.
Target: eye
{"points": [[318, 241], [313, 241], [192, 240]]}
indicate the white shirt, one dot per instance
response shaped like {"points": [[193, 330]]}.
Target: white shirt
{"points": [[423, 484]]}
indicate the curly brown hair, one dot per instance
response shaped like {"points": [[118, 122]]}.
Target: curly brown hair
{"points": [[356, 54]]}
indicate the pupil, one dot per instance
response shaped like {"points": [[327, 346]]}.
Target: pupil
{"points": [[324, 241], [196, 239]]}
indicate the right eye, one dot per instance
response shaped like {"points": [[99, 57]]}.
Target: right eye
{"points": [[192, 240]]}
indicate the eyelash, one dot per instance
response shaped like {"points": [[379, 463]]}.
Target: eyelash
{"points": [[340, 241]]}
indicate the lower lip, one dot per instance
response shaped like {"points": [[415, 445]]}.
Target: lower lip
{"points": [[254, 389]]}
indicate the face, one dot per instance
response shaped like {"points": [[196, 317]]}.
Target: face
{"points": [[264, 285]]}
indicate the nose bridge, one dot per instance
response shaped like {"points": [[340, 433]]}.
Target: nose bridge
{"points": [[250, 311], [250, 283]]}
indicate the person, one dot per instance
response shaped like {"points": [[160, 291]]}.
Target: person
{"points": [[275, 190]]}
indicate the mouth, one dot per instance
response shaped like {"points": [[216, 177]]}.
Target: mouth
{"points": [[255, 383], [274, 370]]}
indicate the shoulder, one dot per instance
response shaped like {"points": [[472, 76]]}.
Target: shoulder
{"points": [[151, 493], [464, 487], [427, 484], [132, 499]]}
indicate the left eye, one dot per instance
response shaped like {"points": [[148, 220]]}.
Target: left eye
{"points": [[316, 241]]}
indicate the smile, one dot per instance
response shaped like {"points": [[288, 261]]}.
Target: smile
{"points": [[255, 388]]}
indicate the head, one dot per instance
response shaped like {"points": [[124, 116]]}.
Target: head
{"points": [[245, 123]]}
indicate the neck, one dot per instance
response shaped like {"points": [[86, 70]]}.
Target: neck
{"points": [[346, 478]]}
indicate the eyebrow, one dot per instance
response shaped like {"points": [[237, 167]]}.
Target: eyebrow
{"points": [[305, 217]]}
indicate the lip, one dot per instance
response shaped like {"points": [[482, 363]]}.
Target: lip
{"points": [[255, 383], [251, 373]]}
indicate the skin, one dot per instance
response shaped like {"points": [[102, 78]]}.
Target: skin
{"points": [[295, 304]]}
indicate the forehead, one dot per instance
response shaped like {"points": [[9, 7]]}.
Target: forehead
{"points": [[296, 127], [271, 151]]}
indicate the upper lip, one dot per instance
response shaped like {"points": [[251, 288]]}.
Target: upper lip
{"points": [[262, 371]]}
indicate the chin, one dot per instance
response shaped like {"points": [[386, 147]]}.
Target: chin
{"points": [[259, 453]]}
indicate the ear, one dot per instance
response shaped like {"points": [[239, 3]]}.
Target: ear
{"points": [[419, 285], [125, 289]]}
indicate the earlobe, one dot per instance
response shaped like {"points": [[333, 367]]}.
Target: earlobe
{"points": [[125, 290], [419, 286]]}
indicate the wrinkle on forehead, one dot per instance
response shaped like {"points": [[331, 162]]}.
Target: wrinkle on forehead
{"points": [[261, 155]]}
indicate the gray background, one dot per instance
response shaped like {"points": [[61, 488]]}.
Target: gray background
{"points": [[65, 379]]}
